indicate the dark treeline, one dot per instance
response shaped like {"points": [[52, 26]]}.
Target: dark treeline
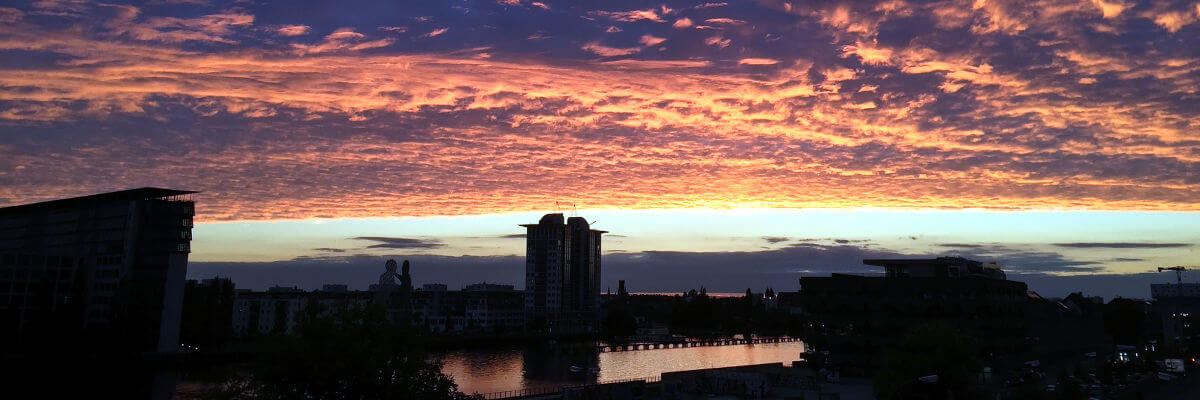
{"points": [[354, 353]]}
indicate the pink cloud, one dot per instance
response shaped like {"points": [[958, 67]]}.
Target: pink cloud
{"points": [[435, 32], [651, 40], [630, 16], [292, 30], [605, 51], [758, 61]]}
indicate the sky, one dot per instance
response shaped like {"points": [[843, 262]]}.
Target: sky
{"points": [[739, 144]]}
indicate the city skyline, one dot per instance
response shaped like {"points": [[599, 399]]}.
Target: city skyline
{"points": [[1054, 137], [625, 199], [782, 245]]}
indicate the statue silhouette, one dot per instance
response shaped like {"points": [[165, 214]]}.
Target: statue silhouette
{"points": [[389, 275], [405, 278]]}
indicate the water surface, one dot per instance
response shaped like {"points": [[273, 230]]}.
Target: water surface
{"points": [[525, 367]]}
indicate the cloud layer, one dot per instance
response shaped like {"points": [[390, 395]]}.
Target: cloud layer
{"points": [[437, 109]]}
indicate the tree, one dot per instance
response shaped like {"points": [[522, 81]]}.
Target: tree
{"points": [[619, 321], [350, 354], [1069, 388], [937, 348]]}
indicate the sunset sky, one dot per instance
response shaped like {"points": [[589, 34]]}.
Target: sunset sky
{"points": [[723, 144]]}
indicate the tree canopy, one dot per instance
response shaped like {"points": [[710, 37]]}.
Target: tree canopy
{"points": [[351, 354]]}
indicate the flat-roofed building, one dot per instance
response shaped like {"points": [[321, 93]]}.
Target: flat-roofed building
{"points": [[1164, 290], [855, 319], [279, 309], [108, 267]]}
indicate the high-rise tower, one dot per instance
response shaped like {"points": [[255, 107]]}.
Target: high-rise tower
{"points": [[562, 274]]}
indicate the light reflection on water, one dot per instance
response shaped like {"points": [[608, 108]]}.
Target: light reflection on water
{"points": [[523, 367]]}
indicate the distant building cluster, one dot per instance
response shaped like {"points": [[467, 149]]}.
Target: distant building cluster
{"points": [[480, 308], [562, 296]]}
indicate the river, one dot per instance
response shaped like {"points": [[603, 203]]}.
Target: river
{"points": [[530, 367]]}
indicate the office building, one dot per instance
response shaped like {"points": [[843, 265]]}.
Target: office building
{"points": [[109, 267], [1176, 307], [853, 319], [562, 274], [1164, 290], [941, 267], [279, 309]]}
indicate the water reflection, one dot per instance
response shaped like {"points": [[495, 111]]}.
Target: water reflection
{"points": [[546, 365], [560, 363]]}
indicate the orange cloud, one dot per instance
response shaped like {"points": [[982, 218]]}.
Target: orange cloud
{"points": [[320, 127], [758, 61], [293, 30]]}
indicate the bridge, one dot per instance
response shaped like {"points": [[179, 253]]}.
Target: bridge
{"points": [[690, 342]]}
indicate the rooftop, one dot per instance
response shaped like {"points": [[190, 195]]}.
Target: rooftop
{"points": [[557, 219], [145, 193], [921, 261]]}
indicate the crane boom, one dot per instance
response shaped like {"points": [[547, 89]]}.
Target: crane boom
{"points": [[1178, 271]]}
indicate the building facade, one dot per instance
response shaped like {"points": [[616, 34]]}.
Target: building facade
{"points": [[1177, 308], [480, 308], [853, 319], [562, 274], [1163, 290], [109, 267], [279, 309]]}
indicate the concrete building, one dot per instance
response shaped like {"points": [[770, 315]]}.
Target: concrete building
{"points": [[494, 308], [480, 308], [1177, 307], [941, 267], [1164, 290], [109, 267], [562, 274], [279, 309], [853, 319]]}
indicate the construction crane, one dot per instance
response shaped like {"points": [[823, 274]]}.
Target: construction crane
{"points": [[1178, 272]]}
